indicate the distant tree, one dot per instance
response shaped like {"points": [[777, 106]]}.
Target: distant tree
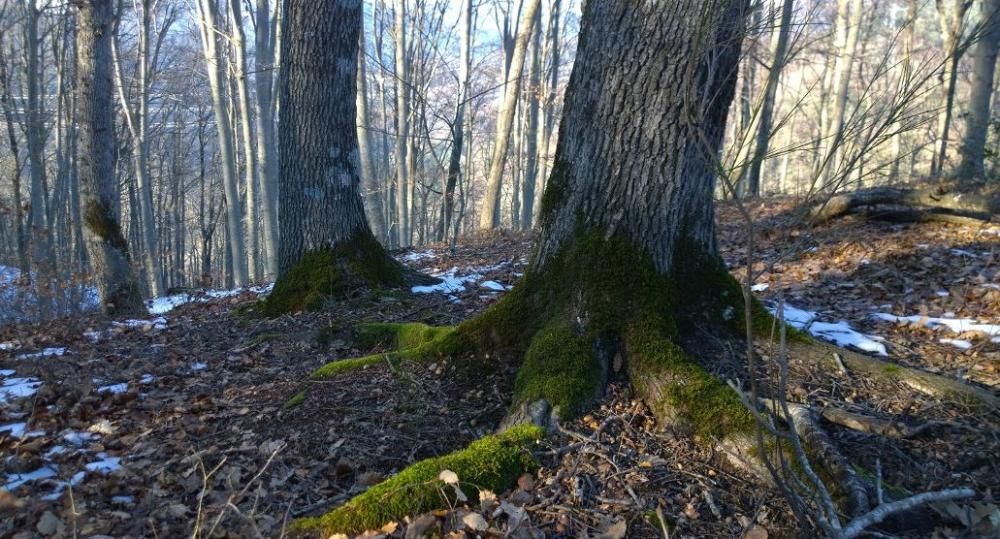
{"points": [[108, 250], [983, 67], [326, 247]]}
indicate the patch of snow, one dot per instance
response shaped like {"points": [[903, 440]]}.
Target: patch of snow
{"points": [[55, 450], [942, 293], [9, 345], [760, 287], [493, 285], [105, 465], [16, 430], [61, 486], [450, 283], [962, 252], [157, 323], [198, 366], [993, 286], [15, 480], [957, 343], [78, 438], [47, 352], [7, 372], [114, 389], [18, 388], [147, 379], [839, 333], [122, 500], [416, 255], [957, 325], [165, 304]]}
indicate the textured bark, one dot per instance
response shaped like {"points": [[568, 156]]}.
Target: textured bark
{"points": [[23, 259], [848, 29], [932, 200], [320, 200], [637, 153], [42, 259], [208, 13], [108, 250], [489, 214], [548, 109], [908, 32], [983, 68]]}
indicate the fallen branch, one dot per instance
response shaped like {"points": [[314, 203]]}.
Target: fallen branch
{"points": [[922, 204], [882, 427]]}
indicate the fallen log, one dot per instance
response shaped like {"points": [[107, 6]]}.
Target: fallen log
{"points": [[929, 203]]}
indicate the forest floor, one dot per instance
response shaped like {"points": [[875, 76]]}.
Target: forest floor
{"points": [[180, 425]]}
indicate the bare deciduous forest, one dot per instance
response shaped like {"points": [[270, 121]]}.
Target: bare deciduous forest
{"points": [[499, 268]]}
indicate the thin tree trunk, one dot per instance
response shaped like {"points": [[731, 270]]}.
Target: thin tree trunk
{"points": [[208, 12], [766, 113], [531, 134], [458, 124], [849, 21], [108, 250], [41, 238], [402, 126], [489, 214], [246, 131], [369, 176], [23, 258], [548, 110], [267, 143], [951, 18], [907, 72]]}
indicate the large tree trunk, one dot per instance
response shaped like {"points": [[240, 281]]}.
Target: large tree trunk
{"points": [[246, 136], [108, 250], [489, 214], [326, 247], [983, 67]]}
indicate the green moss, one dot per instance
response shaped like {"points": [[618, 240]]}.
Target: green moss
{"points": [[262, 338], [296, 401], [892, 369], [333, 272], [447, 342], [399, 336], [559, 367], [493, 463], [555, 191]]}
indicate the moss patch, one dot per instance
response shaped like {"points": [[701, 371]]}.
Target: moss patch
{"points": [[333, 272], [559, 367], [399, 336], [446, 342], [493, 463], [296, 401]]}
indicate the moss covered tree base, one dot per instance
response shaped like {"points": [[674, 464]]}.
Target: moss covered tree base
{"points": [[331, 273], [562, 327]]}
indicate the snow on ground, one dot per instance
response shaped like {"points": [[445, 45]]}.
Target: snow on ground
{"points": [[165, 304], [956, 325], [452, 282], [10, 345], [957, 343], [19, 302], [17, 388], [418, 255], [839, 333], [46, 352]]}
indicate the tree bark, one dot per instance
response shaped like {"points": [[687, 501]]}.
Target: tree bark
{"points": [[247, 138], [489, 214], [369, 176], [326, 247], [531, 131], [983, 68], [402, 127], [848, 29], [457, 124], [108, 250], [951, 19], [267, 142]]}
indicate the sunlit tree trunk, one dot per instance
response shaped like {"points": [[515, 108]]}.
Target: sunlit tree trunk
{"points": [[402, 126], [267, 142], [247, 138], [369, 175], [531, 130], [489, 214], [457, 124], [951, 19], [848, 29]]}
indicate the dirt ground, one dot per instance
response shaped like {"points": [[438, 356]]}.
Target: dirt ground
{"points": [[182, 426]]}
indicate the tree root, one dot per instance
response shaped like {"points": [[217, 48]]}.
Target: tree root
{"points": [[935, 203], [928, 383], [881, 427]]}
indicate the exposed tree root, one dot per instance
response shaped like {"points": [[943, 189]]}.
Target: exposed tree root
{"points": [[881, 427], [934, 203], [928, 383]]}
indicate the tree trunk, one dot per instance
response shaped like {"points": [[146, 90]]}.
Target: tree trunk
{"points": [[531, 131], [983, 67], [369, 176], [247, 138], [267, 142], [767, 107], [402, 127], [951, 18], [326, 247], [908, 32], [458, 124], [23, 257], [848, 29], [208, 12], [489, 215], [108, 250]]}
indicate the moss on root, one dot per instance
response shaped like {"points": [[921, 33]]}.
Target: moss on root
{"points": [[559, 367], [332, 272], [296, 401], [399, 336], [492, 463], [423, 344]]}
